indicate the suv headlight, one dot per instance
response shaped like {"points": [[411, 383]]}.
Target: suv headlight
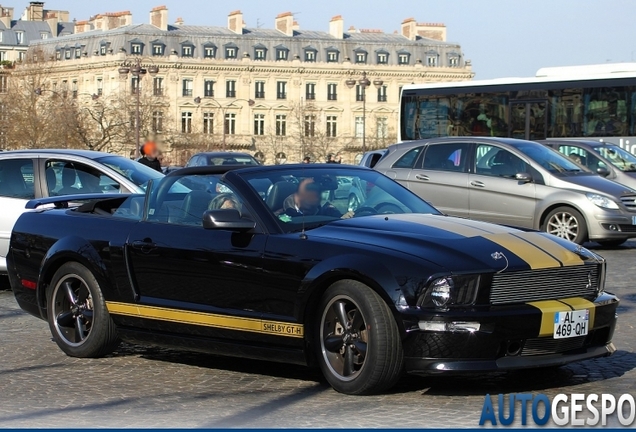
{"points": [[602, 201], [450, 291]]}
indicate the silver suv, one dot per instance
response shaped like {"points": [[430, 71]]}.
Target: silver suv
{"points": [[514, 182]]}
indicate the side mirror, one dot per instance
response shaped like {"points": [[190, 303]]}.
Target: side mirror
{"points": [[602, 171], [523, 177], [227, 219]]}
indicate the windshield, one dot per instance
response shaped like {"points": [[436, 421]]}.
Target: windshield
{"points": [[135, 172], [232, 160], [550, 159], [621, 159], [307, 199]]}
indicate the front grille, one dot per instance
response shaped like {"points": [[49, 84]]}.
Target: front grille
{"points": [[547, 345], [629, 201], [545, 284]]}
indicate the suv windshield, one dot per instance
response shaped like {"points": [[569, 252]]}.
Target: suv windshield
{"points": [[307, 199], [135, 172], [620, 158], [550, 159]]}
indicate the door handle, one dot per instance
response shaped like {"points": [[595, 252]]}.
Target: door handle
{"points": [[422, 177], [477, 183], [144, 246]]}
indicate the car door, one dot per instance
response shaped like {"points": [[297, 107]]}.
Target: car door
{"points": [[441, 177], [18, 180], [176, 263], [495, 195]]}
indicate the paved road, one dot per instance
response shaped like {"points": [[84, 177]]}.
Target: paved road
{"points": [[151, 387]]}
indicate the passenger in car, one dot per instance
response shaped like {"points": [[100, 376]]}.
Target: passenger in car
{"points": [[307, 201], [225, 201]]}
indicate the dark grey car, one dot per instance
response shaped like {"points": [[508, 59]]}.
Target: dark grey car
{"points": [[514, 182]]}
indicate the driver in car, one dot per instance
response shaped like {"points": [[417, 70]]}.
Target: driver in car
{"points": [[306, 201]]}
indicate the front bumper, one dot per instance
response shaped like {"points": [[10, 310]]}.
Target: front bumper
{"points": [[612, 225], [509, 337]]}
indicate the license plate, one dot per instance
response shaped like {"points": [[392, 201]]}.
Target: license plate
{"points": [[571, 324], [633, 220]]}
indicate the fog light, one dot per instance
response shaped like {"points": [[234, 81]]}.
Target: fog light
{"points": [[441, 291], [613, 227]]}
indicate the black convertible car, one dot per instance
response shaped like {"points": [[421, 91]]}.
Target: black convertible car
{"points": [[264, 262]]}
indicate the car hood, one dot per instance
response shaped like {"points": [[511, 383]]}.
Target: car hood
{"points": [[459, 245], [595, 183]]}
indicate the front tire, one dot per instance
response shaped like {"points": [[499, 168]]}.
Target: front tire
{"points": [[359, 346], [77, 314], [566, 223]]}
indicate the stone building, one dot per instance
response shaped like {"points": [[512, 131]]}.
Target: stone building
{"points": [[264, 90]]}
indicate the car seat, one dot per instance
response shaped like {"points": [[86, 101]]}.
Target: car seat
{"points": [[51, 181], [279, 193], [69, 177]]}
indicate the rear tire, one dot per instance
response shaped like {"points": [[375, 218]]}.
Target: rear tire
{"points": [[363, 355], [566, 223], [77, 314]]}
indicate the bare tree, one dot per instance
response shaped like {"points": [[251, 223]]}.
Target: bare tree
{"points": [[311, 133]]}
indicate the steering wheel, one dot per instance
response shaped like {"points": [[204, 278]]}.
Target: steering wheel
{"points": [[365, 211], [388, 208]]}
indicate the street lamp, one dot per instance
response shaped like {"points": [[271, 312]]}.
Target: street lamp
{"points": [[224, 108], [364, 82], [136, 70]]}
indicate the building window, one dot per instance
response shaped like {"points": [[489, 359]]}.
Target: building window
{"points": [[74, 90], [67, 55], [259, 124], [404, 58], [186, 122], [332, 93], [281, 125], [453, 61], [332, 126], [332, 56], [310, 125], [359, 127], [157, 50], [102, 49], [44, 35], [208, 123], [208, 88], [20, 37], [260, 53], [135, 48], [157, 121], [134, 85], [78, 53], [361, 57], [58, 55], [383, 58], [4, 84], [187, 51], [230, 88], [310, 91], [382, 127], [382, 94], [100, 86], [188, 86], [64, 88], [209, 52], [21, 56], [310, 55], [157, 86], [259, 90], [282, 54], [1, 35], [281, 90], [359, 93], [230, 123], [431, 60], [230, 52]]}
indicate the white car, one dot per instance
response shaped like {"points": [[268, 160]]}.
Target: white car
{"points": [[29, 174]]}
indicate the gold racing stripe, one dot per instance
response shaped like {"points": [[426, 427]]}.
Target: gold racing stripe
{"points": [[535, 257], [206, 319], [544, 242], [548, 309], [579, 303]]}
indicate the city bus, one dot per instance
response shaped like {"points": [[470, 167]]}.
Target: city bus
{"points": [[592, 102]]}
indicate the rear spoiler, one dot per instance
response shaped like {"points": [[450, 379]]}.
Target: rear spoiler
{"points": [[61, 202]]}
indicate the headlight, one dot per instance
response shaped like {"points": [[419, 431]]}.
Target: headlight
{"points": [[450, 291], [602, 201]]}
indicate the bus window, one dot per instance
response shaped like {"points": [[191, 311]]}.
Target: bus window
{"points": [[605, 112]]}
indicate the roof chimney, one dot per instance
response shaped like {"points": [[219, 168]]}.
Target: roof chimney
{"points": [[6, 15], [296, 26], [409, 28], [235, 22], [159, 17], [35, 11], [285, 23], [179, 21], [336, 27]]}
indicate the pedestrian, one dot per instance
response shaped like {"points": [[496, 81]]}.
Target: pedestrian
{"points": [[307, 160], [150, 155], [330, 158]]}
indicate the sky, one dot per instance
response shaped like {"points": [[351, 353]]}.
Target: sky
{"points": [[503, 38]]}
